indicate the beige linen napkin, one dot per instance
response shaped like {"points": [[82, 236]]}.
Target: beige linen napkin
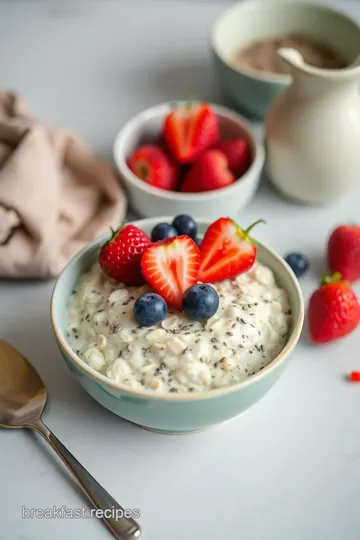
{"points": [[54, 195]]}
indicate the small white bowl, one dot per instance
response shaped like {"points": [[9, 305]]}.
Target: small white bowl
{"points": [[149, 201]]}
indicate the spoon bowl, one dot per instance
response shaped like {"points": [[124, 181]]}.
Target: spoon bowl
{"points": [[22, 393], [22, 401]]}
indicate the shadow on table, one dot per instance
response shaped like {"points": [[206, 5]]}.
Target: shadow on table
{"points": [[191, 77], [183, 78]]}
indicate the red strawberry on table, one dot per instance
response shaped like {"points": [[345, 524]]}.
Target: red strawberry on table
{"points": [[334, 310], [151, 164], [120, 257], [189, 130], [208, 173], [343, 252], [171, 266], [238, 154], [226, 251]]}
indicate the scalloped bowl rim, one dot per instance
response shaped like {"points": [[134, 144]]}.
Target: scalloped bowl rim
{"points": [[98, 377]]}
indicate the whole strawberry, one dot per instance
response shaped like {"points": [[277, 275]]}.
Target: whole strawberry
{"points": [[120, 257], [209, 172], [238, 153], [151, 164], [343, 252], [334, 310]]}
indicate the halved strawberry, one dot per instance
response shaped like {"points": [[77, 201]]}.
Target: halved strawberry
{"points": [[171, 266], [226, 251], [190, 130]]}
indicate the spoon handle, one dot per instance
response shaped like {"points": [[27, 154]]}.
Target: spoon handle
{"points": [[111, 512]]}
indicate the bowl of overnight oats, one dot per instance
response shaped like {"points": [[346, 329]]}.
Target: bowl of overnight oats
{"points": [[177, 324], [246, 38]]}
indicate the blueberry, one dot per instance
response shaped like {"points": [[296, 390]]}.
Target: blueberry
{"points": [[162, 231], [198, 241], [200, 302], [298, 263], [149, 309], [185, 225]]}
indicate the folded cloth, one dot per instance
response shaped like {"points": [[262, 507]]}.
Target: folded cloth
{"points": [[55, 196]]}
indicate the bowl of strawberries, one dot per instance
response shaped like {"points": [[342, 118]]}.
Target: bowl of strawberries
{"points": [[194, 157]]}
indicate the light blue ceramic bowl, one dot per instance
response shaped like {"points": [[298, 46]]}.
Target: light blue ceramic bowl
{"points": [[172, 413], [252, 20]]}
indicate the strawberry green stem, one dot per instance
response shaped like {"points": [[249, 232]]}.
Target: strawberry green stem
{"points": [[326, 279], [114, 233], [246, 231], [190, 102]]}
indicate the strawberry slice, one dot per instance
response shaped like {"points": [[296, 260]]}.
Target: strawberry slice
{"points": [[226, 251], [190, 130], [171, 266]]}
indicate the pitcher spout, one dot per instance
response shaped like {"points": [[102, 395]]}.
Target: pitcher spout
{"points": [[292, 59], [297, 67]]}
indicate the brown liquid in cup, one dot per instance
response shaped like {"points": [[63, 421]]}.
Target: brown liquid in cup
{"points": [[262, 55]]}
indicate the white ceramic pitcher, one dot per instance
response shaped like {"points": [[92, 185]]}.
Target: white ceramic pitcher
{"points": [[312, 132]]}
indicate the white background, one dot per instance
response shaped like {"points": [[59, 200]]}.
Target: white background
{"points": [[289, 468]]}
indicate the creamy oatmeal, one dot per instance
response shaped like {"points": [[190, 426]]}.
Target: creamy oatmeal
{"points": [[179, 355], [262, 55], [248, 331]]}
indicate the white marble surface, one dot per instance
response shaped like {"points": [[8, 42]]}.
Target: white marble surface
{"points": [[289, 468]]}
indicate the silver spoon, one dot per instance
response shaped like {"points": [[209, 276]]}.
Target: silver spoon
{"points": [[22, 401]]}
